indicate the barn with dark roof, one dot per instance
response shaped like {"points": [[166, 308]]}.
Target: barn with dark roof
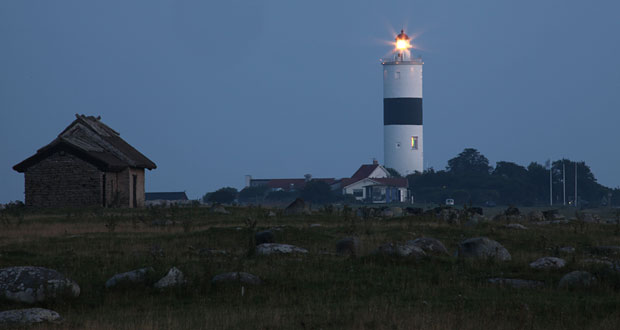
{"points": [[88, 164]]}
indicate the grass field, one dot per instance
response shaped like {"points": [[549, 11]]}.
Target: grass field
{"points": [[319, 290]]}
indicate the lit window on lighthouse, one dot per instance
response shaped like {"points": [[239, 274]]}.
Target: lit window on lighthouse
{"points": [[414, 142]]}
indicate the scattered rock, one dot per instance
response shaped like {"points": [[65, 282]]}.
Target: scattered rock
{"points": [[483, 248], [219, 209], [567, 250], [174, 278], [511, 210], [275, 248], [535, 216], [516, 226], [241, 277], [397, 250], [211, 252], [271, 214], [22, 317], [265, 236], [516, 283], [429, 245], [348, 245], [298, 206], [315, 225], [29, 284], [136, 276], [577, 279], [548, 263], [606, 250]]}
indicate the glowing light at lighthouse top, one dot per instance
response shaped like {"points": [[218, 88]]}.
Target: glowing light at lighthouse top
{"points": [[403, 43]]}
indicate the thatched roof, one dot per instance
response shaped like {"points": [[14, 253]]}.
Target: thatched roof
{"points": [[88, 138]]}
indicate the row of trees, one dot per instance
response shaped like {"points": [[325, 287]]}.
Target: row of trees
{"points": [[469, 178]]}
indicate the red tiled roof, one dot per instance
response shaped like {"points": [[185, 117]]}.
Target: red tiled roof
{"points": [[364, 171]]}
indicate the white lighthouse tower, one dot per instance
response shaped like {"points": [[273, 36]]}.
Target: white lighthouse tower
{"points": [[402, 110]]}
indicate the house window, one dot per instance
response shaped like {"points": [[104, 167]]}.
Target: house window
{"points": [[358, 192], [397, 75], [414, 142]]}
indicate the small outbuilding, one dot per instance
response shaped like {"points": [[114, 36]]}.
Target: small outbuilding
{"points": [[88, 164]]}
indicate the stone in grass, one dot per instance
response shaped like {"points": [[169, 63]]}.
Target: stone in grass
{"points": [[275, 248], [516, 226], [516, 283], [483, 248], [348, 246], [567, 250], [241, 277], [577, 279], [28, 284], [548, 263], [23, 317], [136, 276], [265, 236], [429, 245], [398, 250], [174, 278]]}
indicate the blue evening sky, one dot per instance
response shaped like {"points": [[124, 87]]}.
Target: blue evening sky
{"points": [[214, 90]]}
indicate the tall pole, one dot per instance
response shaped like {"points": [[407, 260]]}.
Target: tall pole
{"points": [[575, 184], [564, 181], [550, 183]]}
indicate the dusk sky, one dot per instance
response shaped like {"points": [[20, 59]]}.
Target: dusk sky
{"points": [[214, 90]]}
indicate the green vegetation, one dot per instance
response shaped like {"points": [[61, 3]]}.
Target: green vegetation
{"points": [[469, 178], [319, 290]]}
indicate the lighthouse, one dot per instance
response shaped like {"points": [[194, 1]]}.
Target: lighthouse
{"points": [[403, 140]]}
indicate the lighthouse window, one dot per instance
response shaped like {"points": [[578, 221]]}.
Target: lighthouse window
{"points": [[397, 144], [397, 75], [414, 142]]}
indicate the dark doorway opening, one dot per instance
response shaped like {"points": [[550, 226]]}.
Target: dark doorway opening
{"points": [[103, 190], [135, 186]]}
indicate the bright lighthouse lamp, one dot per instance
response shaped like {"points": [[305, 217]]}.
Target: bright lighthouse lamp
{"points": [[402, 41]]}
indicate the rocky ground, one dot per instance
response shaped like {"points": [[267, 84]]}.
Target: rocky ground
{"points": [[254, 268]]}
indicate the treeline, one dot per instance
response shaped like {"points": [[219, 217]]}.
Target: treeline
{"points": [[469, 178]]}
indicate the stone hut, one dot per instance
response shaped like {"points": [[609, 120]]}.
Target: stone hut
{"points": [[88, 164]]}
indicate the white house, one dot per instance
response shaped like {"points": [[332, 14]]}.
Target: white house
{"points": [[372, 183]]}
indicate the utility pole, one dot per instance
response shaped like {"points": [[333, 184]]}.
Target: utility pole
{"points": [[575, 184], [550, 183], [564, 180]]}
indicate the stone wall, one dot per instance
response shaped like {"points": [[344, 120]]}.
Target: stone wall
{"points": [[63, 180]]}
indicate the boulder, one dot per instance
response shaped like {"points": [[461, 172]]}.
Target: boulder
{"points": [[516, 283], [511, 210], [219, 209], [265, 236], [271, 214], [298, 206], [535, 216], [548, 263], [516, 226], [174, 278], [577, 279], [275, 248], [23, 317], [137, 276], [238, 277], [398, 250], [483, 248], [566, 250], [315, 225], [27, 284], [349, 246], [211, 252], [429, 245]]}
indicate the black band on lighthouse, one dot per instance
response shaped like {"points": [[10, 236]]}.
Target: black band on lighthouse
{"points": [[402, 111]]}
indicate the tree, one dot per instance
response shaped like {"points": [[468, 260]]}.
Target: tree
{"points": [[317, 192], [510, 170], [469, 162], [393, 173], [253, 194], [224, 195]]}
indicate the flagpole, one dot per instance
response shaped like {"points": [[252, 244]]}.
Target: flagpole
{"points": [[550, 184], [564, 181]]}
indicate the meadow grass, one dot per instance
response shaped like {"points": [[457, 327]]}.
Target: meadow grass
{"points": [[319, 290]]}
